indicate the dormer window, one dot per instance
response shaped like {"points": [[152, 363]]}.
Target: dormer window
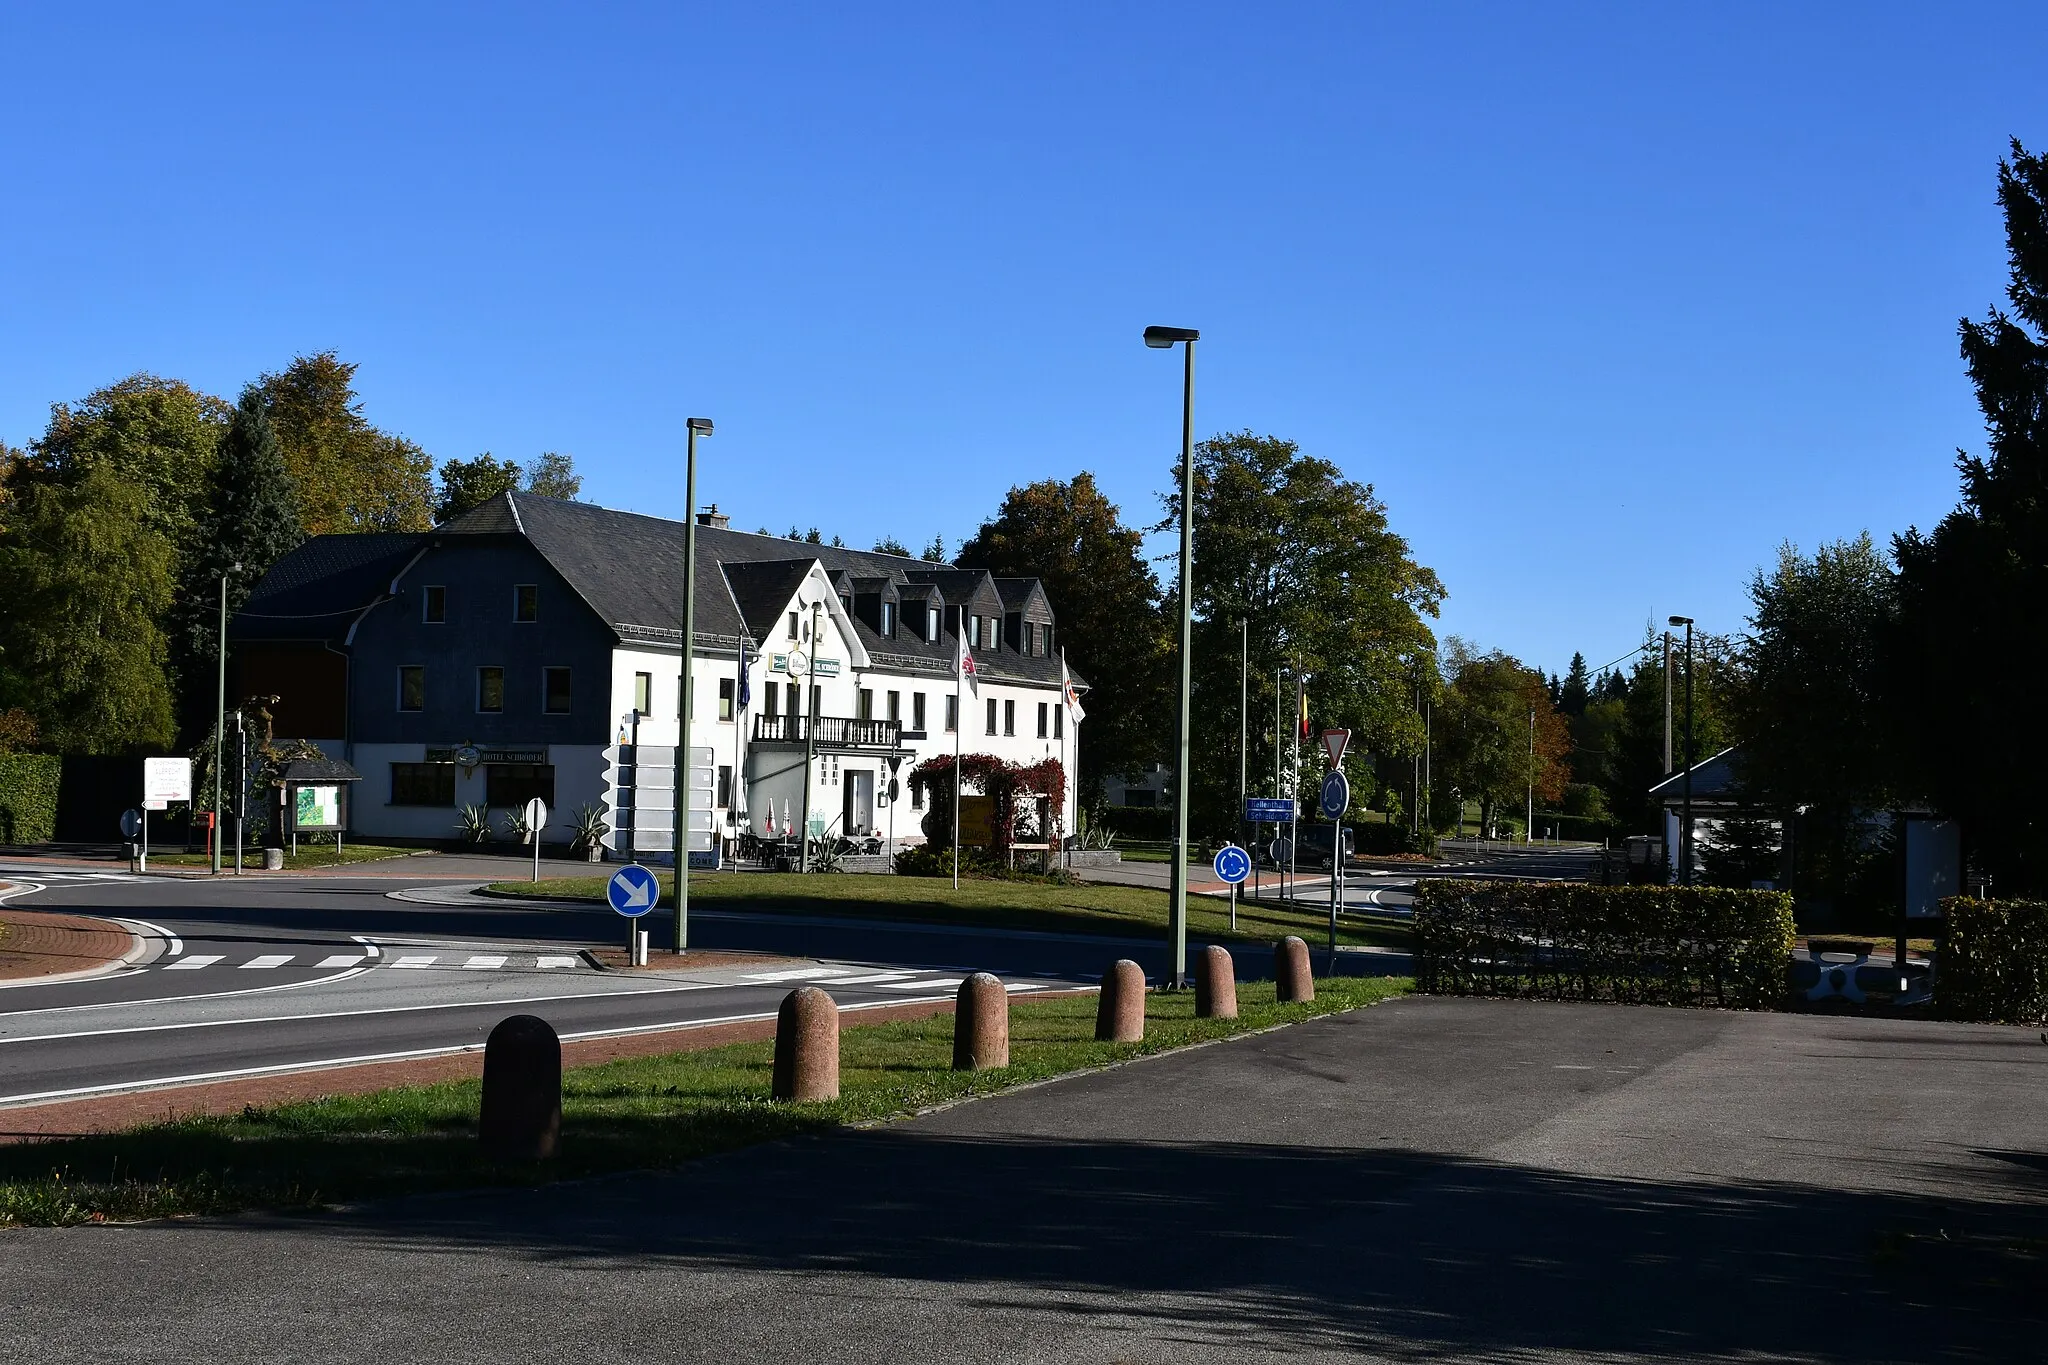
{"points": [[931, 625], [888, 619], [846, 603], [974, 632]]}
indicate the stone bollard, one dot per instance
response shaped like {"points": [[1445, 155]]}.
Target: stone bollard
{"points": [[1293, 983], [807, 1046], [1215, 984], [1120, 1010], [521, 1116], [981, 1024]]}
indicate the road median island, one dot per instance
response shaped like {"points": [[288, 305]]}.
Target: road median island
{"points": [[35, 945], [1103, 908], [623, 1109]]}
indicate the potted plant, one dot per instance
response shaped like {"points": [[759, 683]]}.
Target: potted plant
{"points": [[590, 829]]}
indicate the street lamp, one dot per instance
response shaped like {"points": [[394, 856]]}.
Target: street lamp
{"points": [[1685, 786], [694, 427], [1529, 815], [1161, 339], [220, 711]]}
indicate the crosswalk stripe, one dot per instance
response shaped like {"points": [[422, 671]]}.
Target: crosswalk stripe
{"points": [[344, 960], [871, 980], [944, 982], [484, 962], [191, 964], [268, 960], [1014, 987], [799, 974], [416, 961], [547, 962]]}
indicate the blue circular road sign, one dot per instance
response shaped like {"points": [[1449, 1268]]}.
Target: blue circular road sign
{"points": [[1233, 864], [1336, 795], [632, 891]]}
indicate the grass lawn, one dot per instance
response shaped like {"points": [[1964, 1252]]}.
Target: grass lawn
{"points": [[1084, 908], [629, 1115], [309, 855]]}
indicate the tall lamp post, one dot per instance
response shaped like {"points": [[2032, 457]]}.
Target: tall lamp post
{"points": [[1685, 783], [1162, 339], [1529, 816], [220, 711], [695, 426]]}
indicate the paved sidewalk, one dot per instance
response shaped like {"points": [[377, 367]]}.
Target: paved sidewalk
{"points": [[1429, 1179]]}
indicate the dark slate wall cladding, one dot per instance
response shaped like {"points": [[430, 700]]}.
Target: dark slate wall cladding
{"points": [[480, 575]]}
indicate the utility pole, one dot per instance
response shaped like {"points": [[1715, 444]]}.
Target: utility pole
{"points": [[1244, 714], [693, 428], [1668, 770], [1529, 820], [810, 714], [220, 716], [1685, 816]]}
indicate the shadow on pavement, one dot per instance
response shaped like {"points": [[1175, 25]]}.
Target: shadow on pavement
{"points": [[1316, 1249]]}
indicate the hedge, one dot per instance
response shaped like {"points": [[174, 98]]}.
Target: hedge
{"points": [[28, 797], [1644, 945], [1993, 965]]}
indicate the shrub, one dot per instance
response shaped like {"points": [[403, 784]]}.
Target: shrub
{"points": [[28, 797], [1993, 965], [1662, 945]]}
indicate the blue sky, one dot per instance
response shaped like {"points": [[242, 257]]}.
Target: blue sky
{"points": [[1606, 301]]}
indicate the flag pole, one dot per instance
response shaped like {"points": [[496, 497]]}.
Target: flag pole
{"points": [[959, 723]]}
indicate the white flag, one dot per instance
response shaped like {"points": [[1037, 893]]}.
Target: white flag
{"points": [[1070, 692], [963, 666]]}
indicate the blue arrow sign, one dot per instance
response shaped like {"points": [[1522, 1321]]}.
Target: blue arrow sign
{"points": [[1233, 864], [1269, 810], [1336, 795], [632, 891]]}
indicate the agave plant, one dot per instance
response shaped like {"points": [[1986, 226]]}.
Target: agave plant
{"points": [[590, 828], [516, 827], [474, 823]]}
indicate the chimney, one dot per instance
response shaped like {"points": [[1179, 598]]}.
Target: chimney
{"points": [[714, 517]]}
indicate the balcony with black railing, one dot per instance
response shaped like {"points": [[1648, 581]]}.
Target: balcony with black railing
{"points": [[833, 732]]}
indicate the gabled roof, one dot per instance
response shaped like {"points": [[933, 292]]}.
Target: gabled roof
{"points": [[1017, 593], [1713, 779], [318, 589], [763, 591]]}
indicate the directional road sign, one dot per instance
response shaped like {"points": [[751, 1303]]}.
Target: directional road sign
{"points": [[1269, 810], [632, 891], [1233, 864], [1336, 797]]}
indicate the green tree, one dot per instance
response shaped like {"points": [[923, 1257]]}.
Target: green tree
{"points": [[251, 522], [1306, 557], [1576, 689], [88, 579], [157, 434], [552, 474], [936, 551], [350, 476], [889, 545], [1105, 599], [1634, 761], [1496, 729], [1973, 594], [471, 483]]}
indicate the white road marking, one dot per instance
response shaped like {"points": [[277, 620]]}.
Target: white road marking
{"points": [[188, 964], [415, 960], [943, 983], [798, 974], [1015, 987], [267, 961], [344, 960], [484, 962], [546, 963], [870, 980]]}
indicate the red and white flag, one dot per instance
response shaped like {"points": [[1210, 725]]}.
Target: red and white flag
{"points": [[964, 667], [1071, 693]]}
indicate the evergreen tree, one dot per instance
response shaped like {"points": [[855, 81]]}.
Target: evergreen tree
{"points": [[936, 551], [251, 522], [1576, 690], [889, 545], [1972, 641]]}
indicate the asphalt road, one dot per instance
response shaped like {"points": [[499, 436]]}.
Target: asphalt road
{"points": [[1429, 1179]]}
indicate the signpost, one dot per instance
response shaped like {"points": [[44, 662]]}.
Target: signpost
{"points": [[536, 816], [895, 761], [1335, 799], [1233, 865], [632, 892], [1266, 810], [164, 780]]}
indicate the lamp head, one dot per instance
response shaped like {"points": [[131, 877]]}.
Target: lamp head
{"points": [[700, 425], [1162, 338], [1681, 620]]}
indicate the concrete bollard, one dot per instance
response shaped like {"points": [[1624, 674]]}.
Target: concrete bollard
{"points": [[1120, 1010], [1293, 983], [807, 1046], [981, 1024], [1215, 984], [521, 1115]]}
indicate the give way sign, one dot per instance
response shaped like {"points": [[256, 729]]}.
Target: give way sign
{"points": [[1336, 741]]}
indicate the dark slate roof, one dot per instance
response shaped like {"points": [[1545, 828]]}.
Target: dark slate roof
{"points": [[309, 770], [1018, 592], [317, 590], [628, 568], [1713, 779]]}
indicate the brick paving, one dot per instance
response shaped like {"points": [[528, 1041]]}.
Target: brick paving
{"points": [[36, 944]]}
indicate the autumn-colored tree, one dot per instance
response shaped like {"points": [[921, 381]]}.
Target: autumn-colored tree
{"points": [[1496, 731], [349, 475]]}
